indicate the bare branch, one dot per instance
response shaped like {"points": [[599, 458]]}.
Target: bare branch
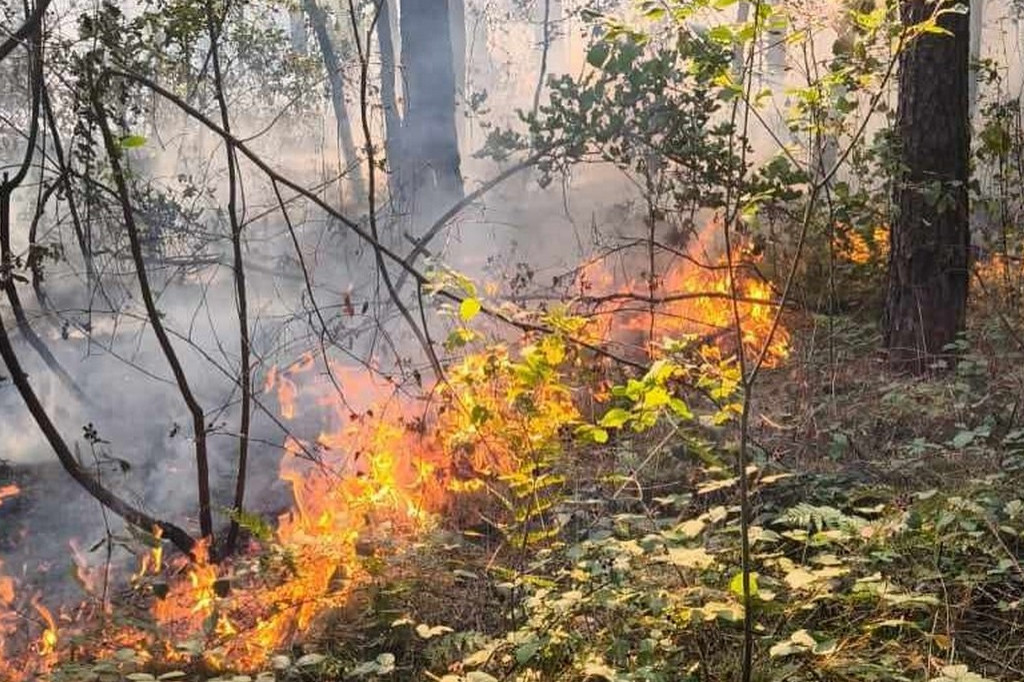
{"points": [[155, 319]]}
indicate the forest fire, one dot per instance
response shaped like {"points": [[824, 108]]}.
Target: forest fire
{"points": [[12, 622], [381, 470], [371, 481], [690, 298]]}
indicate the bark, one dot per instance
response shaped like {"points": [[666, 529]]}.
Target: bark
{"points": [[429, 137], [389, 100], [545, 48], [241, 290], [926, 302], [33, 20], [457, 26], [336, 83], [738, 55], [977, 16], [775, 56]]}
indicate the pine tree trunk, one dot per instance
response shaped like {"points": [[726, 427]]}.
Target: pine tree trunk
{"points": [[926, 301]]}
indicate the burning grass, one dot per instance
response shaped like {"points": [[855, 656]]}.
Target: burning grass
{"points": [[385, 467]]}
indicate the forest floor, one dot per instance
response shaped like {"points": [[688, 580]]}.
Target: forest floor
{"points": [[888, 525]]}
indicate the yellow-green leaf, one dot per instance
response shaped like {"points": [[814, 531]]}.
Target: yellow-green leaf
{"points": [[736, 585], [469, 308]]}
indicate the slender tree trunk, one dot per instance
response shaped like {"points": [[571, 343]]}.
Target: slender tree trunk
{"points": [[156, 321], [977, 23], [926, 303], [775, 56], [389, 101], [544, 6], [429, 136], [336, 82], [457, 27], [241, 291], [738, 55]]}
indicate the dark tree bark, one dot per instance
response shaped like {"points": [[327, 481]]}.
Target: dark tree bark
{"points": [[429, 138], [926, 302], [214, 28]]}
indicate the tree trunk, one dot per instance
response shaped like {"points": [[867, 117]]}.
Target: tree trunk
{"points": [[738, 53], [429, 138], [977, 23], [389, 102], [336, 83], [926, 303], [457, 27]]}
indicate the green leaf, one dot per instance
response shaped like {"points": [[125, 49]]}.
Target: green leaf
{"points": [[132, 141], [615, 418], [597, 56], [721, 34], [592, 433], [656, 397], [469, 308], [736, 585], [681, 409], [529, 649], [479, 415]]}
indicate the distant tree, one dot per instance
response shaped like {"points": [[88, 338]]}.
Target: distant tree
{"points": [[318, 19], [926, 302], [430, 144]]}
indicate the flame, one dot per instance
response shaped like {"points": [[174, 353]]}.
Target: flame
{"points": [[8, 618], [370, 481], [688, 299], [48, 638], [7, 491], [8, 621], [853, 247], [12, 622]]}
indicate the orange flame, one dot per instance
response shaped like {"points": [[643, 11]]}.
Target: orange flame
{"points": [[689, 299], [48, 638], [8, 491], [378, 477]]}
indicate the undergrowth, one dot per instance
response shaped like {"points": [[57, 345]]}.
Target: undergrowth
{"points": [[892, 555]]}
